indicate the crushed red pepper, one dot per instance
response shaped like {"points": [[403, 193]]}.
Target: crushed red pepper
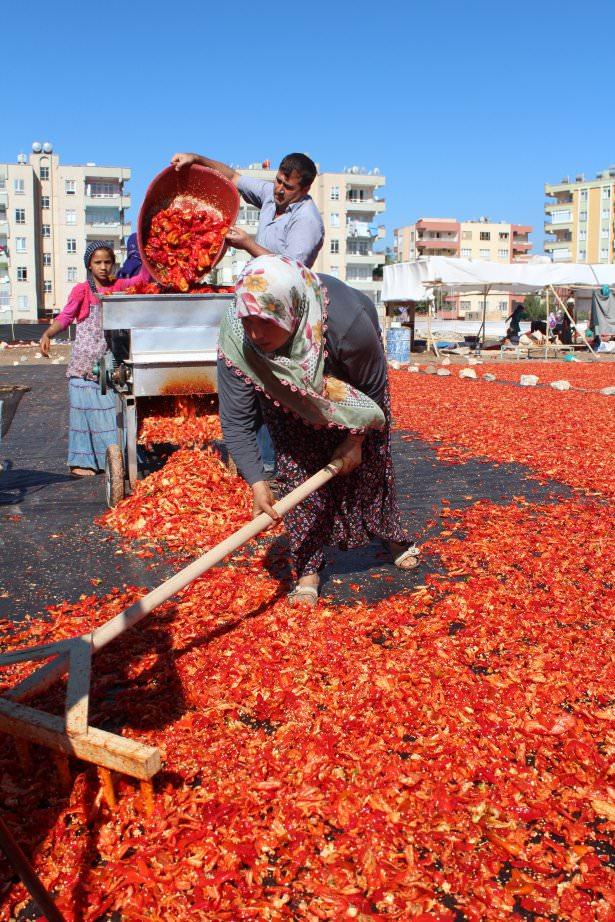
{"points": [[183, 242], [444, 754]]}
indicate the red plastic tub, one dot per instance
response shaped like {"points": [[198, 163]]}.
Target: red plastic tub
{"points": [[211, 187]]}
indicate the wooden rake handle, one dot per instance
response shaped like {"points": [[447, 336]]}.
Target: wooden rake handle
{"points": [[46, 675]]}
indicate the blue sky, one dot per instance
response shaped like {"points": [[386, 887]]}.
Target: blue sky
{"points": [[466, 107]]}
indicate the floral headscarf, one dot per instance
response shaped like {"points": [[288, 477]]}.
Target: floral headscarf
{"points": [[285, 292]]}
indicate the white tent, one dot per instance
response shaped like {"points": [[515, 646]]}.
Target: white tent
{"points": [[415, 281]]}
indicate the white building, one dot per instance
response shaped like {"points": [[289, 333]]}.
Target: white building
{"points": [[48, 213], [350, 206]]}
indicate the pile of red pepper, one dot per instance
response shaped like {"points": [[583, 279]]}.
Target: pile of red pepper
{"points": [[188, 506], [183, 431], [183, 243], [446, 754], [152, 288], [563, 436]]}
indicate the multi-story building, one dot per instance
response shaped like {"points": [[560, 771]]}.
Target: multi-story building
{"points": [[350, 206], [48, 213], [496, 241], [580, 217]]}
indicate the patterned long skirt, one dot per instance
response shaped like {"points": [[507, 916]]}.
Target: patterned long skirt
{"points": [[349, 511], [91, 424]]}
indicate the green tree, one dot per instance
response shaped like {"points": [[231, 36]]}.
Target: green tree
{"points": [[535, 307]]}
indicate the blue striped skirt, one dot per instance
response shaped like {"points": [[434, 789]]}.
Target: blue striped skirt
{"points": [[91, 425]]}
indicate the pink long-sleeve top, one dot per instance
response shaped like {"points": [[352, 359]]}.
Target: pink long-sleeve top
{"points": [[82, 297]]}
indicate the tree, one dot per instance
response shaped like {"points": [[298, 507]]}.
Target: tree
{"points": [[535, 307]]}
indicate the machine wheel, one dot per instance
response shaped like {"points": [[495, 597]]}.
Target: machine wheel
{"points": [[114, 476]]}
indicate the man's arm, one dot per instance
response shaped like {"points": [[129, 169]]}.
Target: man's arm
{"points": [[182, 160]]}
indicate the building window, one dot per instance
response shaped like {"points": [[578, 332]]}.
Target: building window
{"points": [[103, 189], [20, 216], [4, 296], [582, 235], [484, 254], [335, 193], [606, 212], [22, 302], [503, 254], [69, 186], [47, 287], [46, 259], [606, 192], [44, 173], [604, 233], [584, 195], [334, 219], [503, 305], [19, 186], [71, 274], [465, 305], [71, 216], [466, 252], [20, 244], [71, 245], [22, 274], [504, 235], [46, 230], [44, 202], [335, 272], [582, 254], [561, 217], [582, 216], [604, 254], [485, 235], [466, 235], [335, 246]]}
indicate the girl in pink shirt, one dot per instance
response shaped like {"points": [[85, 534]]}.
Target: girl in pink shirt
{"points": [[92, 426]]}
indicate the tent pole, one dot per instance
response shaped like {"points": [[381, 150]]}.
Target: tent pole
{"points": [[566, 311], [547, 325]]}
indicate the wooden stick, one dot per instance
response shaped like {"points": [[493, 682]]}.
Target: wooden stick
{"points": [[147, 795], [46, 675], [25, 870], [63, 771], [97, 746], [24, 755], [106, 780]]}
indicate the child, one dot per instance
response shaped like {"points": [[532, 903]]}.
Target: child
{"points": [[92, 426]]}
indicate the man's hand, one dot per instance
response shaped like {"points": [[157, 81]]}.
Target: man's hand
{"points": [[263, 500], [350, 451], [181, 160], [239, 239], [45, 344]]}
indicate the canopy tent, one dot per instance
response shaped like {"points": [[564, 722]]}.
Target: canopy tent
{"points": [[416, 281]]}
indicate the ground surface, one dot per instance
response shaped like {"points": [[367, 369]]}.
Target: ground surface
{"points": [[434, 745], [52, 551]]}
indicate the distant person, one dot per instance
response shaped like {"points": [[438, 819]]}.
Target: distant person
{"points": [[92, 425], [132, 263], [514, 322]]}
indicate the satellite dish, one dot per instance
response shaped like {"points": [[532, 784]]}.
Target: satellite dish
{"points": [[37, 147], [47, 147], [21, 158]]}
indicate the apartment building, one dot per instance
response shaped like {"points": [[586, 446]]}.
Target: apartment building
{"points": [[496, 241], [580, 218], [48, 213], [350, 205]]}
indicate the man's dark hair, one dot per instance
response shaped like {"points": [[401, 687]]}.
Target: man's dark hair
{"points": [[301, 164]]}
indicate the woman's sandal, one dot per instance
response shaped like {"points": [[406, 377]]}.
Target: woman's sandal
{"points": [[77, 473], [408, 559], [303, 595]]}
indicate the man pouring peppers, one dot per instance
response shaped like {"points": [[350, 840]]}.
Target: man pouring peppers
{"points": [[289, 224]]}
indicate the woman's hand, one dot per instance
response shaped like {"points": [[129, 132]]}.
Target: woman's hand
{"points": [[350, 451], [263, 500], [181, 160], [45, 344]]}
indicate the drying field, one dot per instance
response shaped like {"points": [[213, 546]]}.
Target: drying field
{"points": [[443, 754]]}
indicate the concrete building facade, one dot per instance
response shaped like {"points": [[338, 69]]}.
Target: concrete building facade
{"points": [[350, 207], [580, 217], [496, 241], [48, 213]]}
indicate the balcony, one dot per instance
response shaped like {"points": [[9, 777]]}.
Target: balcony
{"points": [[360, 229], [549, 206], [114, 200], [522, 244], [558, 244], [438, 243], [364, 259], [368, 205]]}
